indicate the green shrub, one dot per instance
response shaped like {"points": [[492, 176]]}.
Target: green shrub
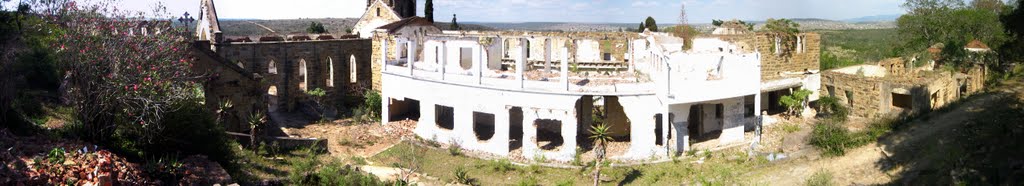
{"points": [[302, 172], [372, 103], [455, 149], [462, 176], [820, 178], [528, 181], [502, 165], [358, 160], [832, 138], [832, 108], [794, 103], [335, 173]]}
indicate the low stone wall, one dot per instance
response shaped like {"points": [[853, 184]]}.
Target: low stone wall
{"points": [[282, 142]]}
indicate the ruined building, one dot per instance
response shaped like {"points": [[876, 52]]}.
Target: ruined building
{"points": [[527, 94], [274, 72], [894, 87]]}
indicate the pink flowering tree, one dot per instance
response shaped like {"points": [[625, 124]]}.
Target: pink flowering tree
{"points": [[126, 69]]}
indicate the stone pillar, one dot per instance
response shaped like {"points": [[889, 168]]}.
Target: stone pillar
{"points": [[521, 62], [529, 148], [547, 55], [565, 68]]}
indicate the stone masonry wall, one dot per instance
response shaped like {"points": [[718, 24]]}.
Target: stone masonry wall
{"points": [[866, 91], [772, 65], [318, 55]]}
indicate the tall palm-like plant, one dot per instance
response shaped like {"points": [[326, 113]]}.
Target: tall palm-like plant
{"points": [[601, 135], [255, 120]]}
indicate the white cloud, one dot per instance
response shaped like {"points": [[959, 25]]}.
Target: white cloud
{"points": [[645, 3]]}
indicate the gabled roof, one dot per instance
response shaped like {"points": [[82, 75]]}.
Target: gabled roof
{"points": [[411, 21], [976, 44]]}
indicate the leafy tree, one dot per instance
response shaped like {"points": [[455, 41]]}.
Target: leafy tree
{"points": [[717, 22], [316, 28], [649, 23], [428, 10], [641, 28], [996, 6], [795, 102], [601, 134], [785, 31], [1013, 22], [945, 21], [455, 23], [125, 70]]}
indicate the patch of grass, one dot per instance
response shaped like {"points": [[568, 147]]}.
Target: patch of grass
{"points": [[455, 149], [502, 165], [358, 160], [820, 178], [528, 181], [790, 127]]}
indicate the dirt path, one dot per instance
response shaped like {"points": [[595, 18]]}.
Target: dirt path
{"points": [[264, 27], [862, 165]]}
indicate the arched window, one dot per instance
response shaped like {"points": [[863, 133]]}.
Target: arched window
{"points": [[330, 72], [303, 75], [271, 67], [352, 74]]}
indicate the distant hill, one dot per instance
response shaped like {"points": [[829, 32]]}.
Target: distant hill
{"points": [[251, 27], [876, 18]]}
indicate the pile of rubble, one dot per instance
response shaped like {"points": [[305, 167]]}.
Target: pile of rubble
{"points": [[40, 160]]}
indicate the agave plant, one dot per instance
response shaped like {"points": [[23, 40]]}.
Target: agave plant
{"points": [[601, 135]]}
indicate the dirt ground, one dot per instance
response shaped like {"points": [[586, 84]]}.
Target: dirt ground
{"points": [[861, 166], [347, 138]]}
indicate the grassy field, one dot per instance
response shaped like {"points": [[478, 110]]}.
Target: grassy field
{"points": [[718, 168], [850, 47]]}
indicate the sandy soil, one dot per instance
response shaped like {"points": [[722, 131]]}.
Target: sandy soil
{"points": [[347, 138]]}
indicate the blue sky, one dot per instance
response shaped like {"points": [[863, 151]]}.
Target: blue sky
{"points": [[618, 11]]}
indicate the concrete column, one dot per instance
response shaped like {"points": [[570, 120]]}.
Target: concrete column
{"points": [[547, 55], [529, 148], [481, 62], [732, 123], [565, 68], [384, 55], [632, 57], [521, 62], [501, 140], [409, 61], [463, 131], [478, 63], [385, 115], [569, 126], [665, 123], [444, 58], [679, 126], [426, 127]]}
